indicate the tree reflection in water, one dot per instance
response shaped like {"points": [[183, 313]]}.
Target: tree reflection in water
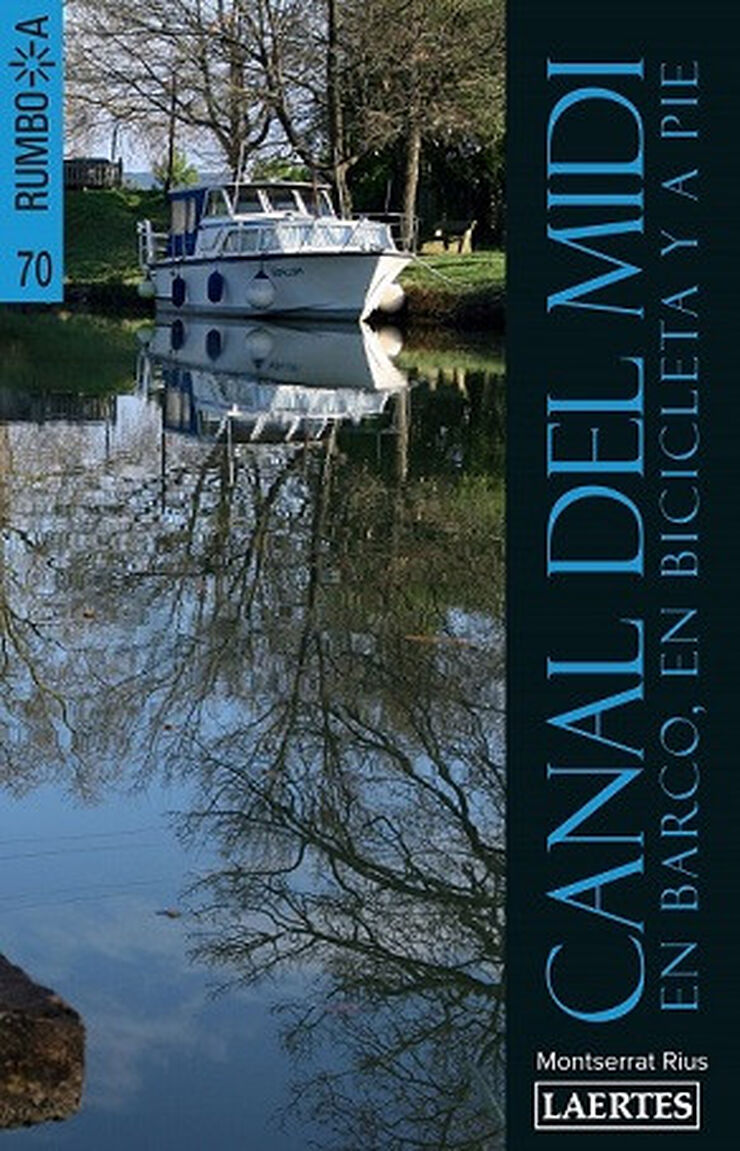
{"points": [[360, 811], [362, 840], [314, 634]]}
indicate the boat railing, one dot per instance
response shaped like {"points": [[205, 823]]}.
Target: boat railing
{"points": [[152, 245], [396, 223], [327, 235], [243, 237]]}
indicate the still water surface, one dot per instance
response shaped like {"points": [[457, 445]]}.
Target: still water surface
{"points": [[251, 694]]}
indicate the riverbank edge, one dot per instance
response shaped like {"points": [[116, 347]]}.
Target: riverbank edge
{"points": [[471, 310]]}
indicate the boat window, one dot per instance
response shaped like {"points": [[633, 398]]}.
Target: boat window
{"points": [[239, 240], [217, 204], [248, 201], [208, 238], [284, 200], [326, 208], [301, 203], [318, 202], [179, 217], [191, 219]]}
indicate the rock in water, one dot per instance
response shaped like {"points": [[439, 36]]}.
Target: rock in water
{"points": [[42, 1051]]}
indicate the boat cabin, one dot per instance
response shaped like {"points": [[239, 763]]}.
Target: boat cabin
{"points": [[256, 202]]}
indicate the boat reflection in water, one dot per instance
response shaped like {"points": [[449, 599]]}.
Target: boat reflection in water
{"points": [[268, 383]]}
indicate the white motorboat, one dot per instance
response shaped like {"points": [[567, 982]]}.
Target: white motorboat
{"points": [[266, 248]]}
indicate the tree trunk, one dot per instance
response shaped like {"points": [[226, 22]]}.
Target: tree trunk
{"points": [[341, 188], [169, 178], [411, 186], [114, 139], [236, 111], [336, 113]]}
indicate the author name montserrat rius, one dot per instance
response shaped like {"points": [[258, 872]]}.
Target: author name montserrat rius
{"points": [[554, 1061]]}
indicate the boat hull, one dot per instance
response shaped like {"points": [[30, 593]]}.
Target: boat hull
{"points": [[340, 284]]}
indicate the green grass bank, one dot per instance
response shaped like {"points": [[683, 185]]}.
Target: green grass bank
{"points": [[458, 291]]}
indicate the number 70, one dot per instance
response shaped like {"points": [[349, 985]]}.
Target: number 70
{"points": [[38, 265]]}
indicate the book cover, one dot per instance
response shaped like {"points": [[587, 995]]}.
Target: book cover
{"points": [[252, 442], [260, 814]]}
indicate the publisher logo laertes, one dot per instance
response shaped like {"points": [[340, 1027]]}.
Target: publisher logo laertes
{"points": [[617, 1105]]}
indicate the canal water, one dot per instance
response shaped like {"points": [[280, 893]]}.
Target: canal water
{"points": [[251, 730]]}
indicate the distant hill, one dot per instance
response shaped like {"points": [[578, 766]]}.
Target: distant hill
{"points": [[144, 180]]}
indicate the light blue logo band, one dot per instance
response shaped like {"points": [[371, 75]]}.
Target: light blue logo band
{"points": [[31, 151]]}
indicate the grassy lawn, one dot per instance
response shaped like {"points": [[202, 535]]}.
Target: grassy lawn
{"points": [[100, 233], [480, 270], [463, 292]]}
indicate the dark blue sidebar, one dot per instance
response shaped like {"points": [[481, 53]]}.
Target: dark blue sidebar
{"points": [[623, 559]]}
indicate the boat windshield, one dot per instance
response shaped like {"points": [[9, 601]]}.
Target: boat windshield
{"points": [[217, 203], [318, 202], [258, 200], [284, 200], [248, 202]]}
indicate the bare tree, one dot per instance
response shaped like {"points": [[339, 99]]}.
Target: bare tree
{"points": [[331, 81], [167, 64]]}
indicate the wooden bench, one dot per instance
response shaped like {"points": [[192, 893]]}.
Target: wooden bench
{"points": [[456, 235]]}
